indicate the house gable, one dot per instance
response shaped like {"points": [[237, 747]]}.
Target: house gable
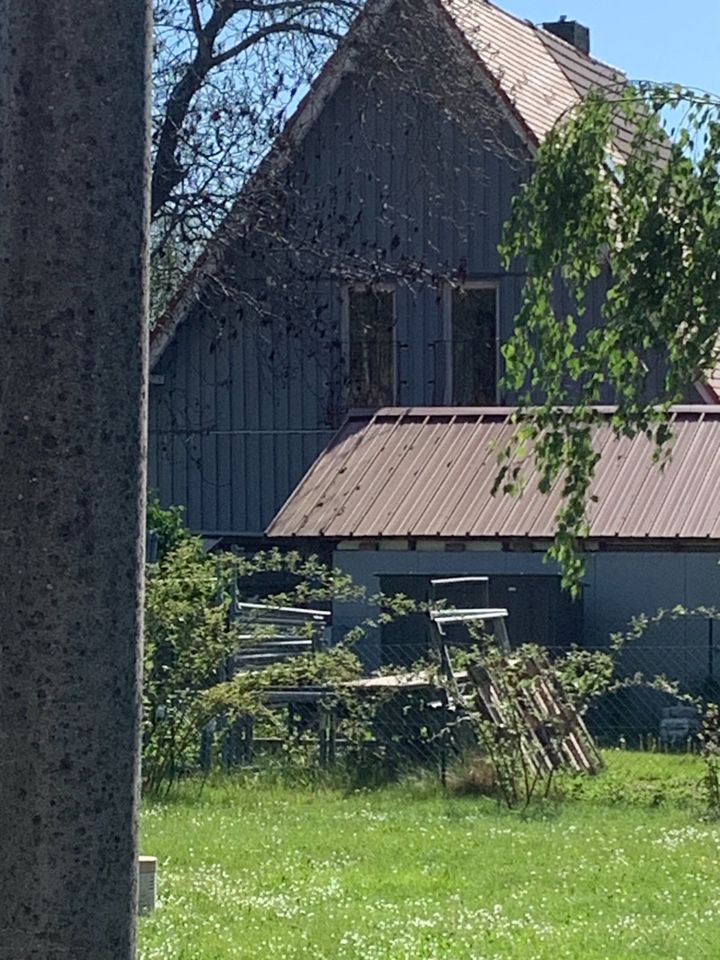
{"points": [[383, 186], [534, 78], [390, 176]]}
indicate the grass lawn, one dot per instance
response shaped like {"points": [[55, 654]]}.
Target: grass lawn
{"points": [[626, 869]]}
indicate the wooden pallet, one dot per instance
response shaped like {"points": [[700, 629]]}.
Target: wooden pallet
{"points": [[553, 735]]}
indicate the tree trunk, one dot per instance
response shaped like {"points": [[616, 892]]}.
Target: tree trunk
{"points": [[74, 112]]}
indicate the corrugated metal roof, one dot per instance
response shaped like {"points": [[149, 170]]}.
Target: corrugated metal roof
{"points": [[429, 472]]}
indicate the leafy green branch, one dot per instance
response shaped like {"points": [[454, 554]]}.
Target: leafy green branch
{"points": [[623, 204]]}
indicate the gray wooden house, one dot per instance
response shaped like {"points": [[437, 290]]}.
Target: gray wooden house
{"points": [[360, 266], [359, 270]]}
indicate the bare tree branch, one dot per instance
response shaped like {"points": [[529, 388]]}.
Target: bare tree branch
{"points": [[287, 28], [195, 14], [303, 19]]}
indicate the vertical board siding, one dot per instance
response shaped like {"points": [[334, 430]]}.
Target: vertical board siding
{"points": [[617, 587], [251, 395], [223, 436]]}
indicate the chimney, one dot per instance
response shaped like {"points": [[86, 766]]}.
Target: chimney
{"points": [[571, 32]]}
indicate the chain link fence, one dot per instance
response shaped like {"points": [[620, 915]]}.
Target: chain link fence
{"points": [[648, 695], [663, 676]]}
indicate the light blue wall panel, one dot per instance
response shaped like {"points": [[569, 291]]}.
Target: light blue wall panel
{"points": [[617, 587]]}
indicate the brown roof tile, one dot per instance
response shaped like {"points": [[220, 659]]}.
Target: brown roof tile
{"points": [[516, 55]]}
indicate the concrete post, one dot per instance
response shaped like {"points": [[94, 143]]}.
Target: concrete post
{"points": [[73, 308]]}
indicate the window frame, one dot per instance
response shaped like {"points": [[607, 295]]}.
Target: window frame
{"points": [[447, 298], [381, 287]]}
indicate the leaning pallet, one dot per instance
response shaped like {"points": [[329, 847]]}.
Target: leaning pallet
{"points": [[553, 735]]}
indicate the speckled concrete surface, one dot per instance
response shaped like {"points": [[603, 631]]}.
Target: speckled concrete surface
{"points": [[73, 231]]}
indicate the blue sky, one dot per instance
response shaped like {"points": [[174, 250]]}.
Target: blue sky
{"points": [[648, 39]]}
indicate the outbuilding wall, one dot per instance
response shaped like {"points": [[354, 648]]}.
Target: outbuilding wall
{"points": [[617, 587]]}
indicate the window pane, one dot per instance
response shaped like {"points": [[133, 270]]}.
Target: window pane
{"points": [[473, 346], [372, 348]]}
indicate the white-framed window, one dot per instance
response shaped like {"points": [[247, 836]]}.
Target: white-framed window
{"points": [[368, 318], [471, 322]]}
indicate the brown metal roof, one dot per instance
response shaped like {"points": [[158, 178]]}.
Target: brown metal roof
{"points": [[429, 472]]}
